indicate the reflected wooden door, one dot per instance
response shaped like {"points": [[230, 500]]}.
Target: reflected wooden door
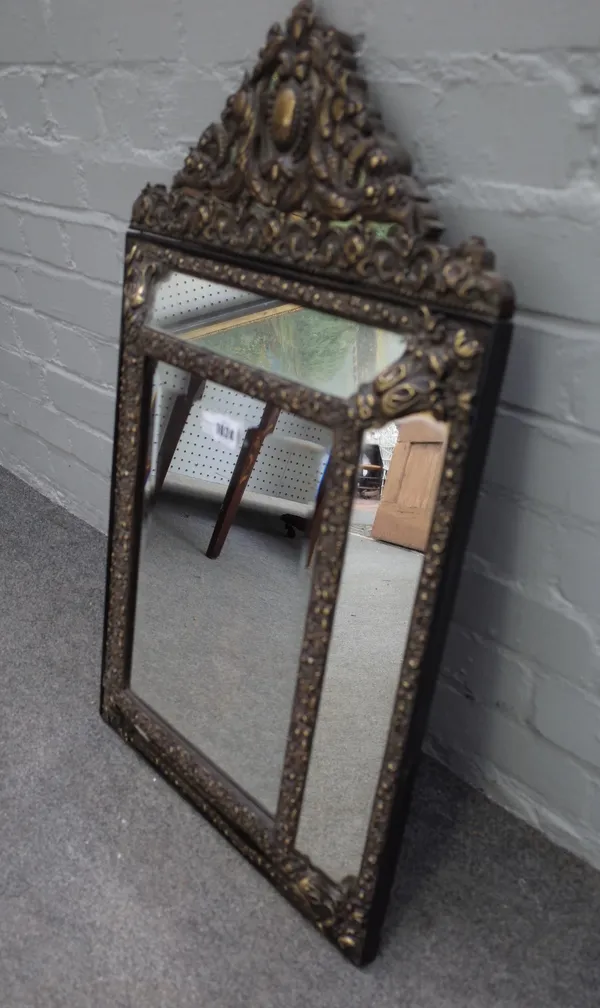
{"points": [[408, 499]]}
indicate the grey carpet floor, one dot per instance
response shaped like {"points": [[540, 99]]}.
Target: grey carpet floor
{"points": [[114, 892]]}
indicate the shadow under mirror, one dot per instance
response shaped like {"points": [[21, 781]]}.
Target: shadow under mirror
{"points": [[223, 580], [392, 512], [324, 352]]}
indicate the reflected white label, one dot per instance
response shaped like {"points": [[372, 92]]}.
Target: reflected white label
{"points": [[224, 429]]}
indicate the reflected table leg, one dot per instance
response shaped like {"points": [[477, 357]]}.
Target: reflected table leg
{"points": [[241, 474], [315, 524], [177, 421], [309, 526]]}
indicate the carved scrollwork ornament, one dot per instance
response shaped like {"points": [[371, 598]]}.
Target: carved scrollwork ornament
{"points": [[302, 170], [142, 274], [432, 376]]}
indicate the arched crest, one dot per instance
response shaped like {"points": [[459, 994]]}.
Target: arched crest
{"points": [[302, 171]]}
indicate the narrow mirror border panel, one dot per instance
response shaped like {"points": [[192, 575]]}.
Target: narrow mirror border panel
{"points": [[440, 371]]}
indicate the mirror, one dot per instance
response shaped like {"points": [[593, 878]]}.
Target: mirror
{"points": [[394, 501], [217, 637], [307, 382], [323, 352]]}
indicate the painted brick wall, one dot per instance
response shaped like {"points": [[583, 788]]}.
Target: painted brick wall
{"points": [[499, 103]]}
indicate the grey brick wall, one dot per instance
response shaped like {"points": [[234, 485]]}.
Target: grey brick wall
{"points": [[500, 105]]}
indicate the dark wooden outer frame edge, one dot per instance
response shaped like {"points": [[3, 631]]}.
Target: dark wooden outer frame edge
{"points": [[490, 386]]}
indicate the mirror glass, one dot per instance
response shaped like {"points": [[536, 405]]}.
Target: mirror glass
{"points": [[392, 511], [321, 351], [223, 582]]}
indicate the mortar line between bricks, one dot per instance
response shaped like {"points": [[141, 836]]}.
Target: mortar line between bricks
{"points": [[584, 765], [49, 404], [534, 666], [85, 383], [56, 272], [59, 368], [547, 424], [61, 452], [99, 339], [65, 215], [529, 316], [536, 507], [476, 637], [500, 580], [55, 365], [78, 424], [483, 772], [563, 196], [104, 149], [91, 67], [446, 57]]}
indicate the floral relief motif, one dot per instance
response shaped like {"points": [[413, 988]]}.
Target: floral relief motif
{"points": [[301, 135], [433, 373], [301, 170]]}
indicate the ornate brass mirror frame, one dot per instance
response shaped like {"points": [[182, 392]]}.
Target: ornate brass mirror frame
{"points": [[299, 193]]}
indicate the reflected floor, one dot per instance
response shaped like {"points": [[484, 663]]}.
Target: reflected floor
{"points": [[217, 648], [217, 642], [372, 621]]}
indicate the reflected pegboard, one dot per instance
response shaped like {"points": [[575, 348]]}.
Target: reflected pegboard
{"points": [[386, 437], [182, 299], [290, 464]]}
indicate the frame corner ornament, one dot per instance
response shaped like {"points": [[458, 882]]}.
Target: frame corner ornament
{"points": [[301, 169], [142, 275], [434, 375]]}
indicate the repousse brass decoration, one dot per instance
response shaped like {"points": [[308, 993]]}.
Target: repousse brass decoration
{"points": [[432, 375], [301, 171]]}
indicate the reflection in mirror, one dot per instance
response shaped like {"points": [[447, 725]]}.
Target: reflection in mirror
{"points": [[223, 582], [321, 351], [392, 512]]}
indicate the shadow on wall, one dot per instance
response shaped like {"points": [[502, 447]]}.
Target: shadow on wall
{"points": [[482, 695], [437, 817], [478, 725]]}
